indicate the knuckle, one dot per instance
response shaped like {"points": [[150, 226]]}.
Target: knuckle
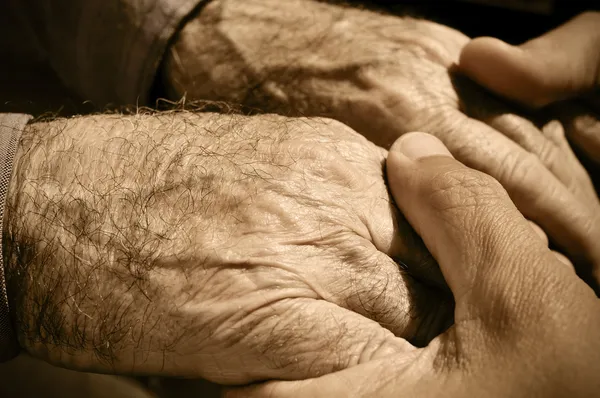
{"points": [[555, 132], [517, 169], [549, 153]]}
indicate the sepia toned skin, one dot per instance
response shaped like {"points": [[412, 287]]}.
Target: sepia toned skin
{"points": [[383, 76], [558, 72], [176, 244], [224, 247], [525, 325]]}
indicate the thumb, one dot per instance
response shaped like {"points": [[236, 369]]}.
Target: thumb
{"points": [[488, 253], [560, 64]]}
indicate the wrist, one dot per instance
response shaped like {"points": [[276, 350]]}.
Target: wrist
{"points": [[101, 211], [11, 126], [26, 278], [56, 278]]}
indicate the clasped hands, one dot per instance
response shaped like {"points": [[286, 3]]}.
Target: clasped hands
{"points": [[287, 267]]}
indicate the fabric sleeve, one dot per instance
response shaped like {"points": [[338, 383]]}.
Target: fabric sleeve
{"points": [[11, 127], [107, 51]]}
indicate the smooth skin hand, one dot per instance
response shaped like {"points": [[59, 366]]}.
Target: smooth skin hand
{"points": [[383, 76], [558, 71], [230, 248], [525, 324]]}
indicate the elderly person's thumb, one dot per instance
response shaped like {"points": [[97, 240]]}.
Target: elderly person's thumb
{"points": [[563, 63]]}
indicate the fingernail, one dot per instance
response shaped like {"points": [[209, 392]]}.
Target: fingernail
{"points": [[420, 145]]}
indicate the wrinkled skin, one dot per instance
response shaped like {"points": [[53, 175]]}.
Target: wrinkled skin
{"points": [[225, 247], [384, 76]]}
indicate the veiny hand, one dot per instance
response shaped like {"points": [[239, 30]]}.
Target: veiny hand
{"points": [[559, 71], [525, 324], [383, 76], [224, 247]]}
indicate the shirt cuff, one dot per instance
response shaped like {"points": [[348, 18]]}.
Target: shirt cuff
{"points": [[137, 50], [11, 127], [108, 51]]}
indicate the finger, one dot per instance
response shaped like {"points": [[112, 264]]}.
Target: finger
{"points": [[571, 220], [485, 247], [582, 127], [561, 257], [560, 64], [581, 182], [296, 339], [574, 226], [539, 232], [548, 144]]}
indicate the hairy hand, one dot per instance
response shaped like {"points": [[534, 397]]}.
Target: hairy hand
{"points": [[218, 246], [384, 76]]}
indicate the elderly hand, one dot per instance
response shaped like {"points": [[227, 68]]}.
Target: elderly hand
{"points": [[560, 71], [525, 324], [225, 247], [383, 76]]}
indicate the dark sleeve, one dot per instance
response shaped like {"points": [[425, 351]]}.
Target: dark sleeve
{"points": [[107, 51], [11, 127]]}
